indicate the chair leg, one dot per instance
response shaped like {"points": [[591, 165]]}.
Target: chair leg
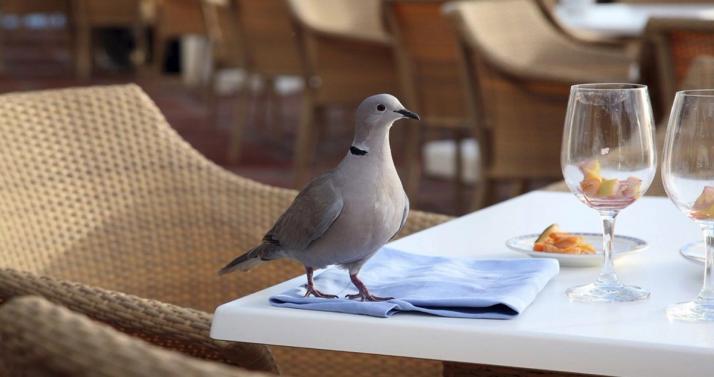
{"points": [[83, 52], [240, 117], [413, 159], [2, 51], [211, 98], [305, 142], [459, 172], [269, 103], [483, 193], [139, 55], [520, 186], [159, 53], [321, 121]]}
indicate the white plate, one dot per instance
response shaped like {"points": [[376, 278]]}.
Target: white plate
{"points": [[624, 245], [693, 252]]}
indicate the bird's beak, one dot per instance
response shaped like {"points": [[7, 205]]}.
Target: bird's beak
{"points": [[408, 114]]}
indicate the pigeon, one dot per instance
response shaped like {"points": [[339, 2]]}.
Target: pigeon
{"points": [[344, 216]]}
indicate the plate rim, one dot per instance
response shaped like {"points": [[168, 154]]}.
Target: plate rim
{"points": [[691, 258], [640, 245]]}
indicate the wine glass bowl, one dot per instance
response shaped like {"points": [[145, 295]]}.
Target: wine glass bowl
{"points": [[688, 177], [609, 161]]}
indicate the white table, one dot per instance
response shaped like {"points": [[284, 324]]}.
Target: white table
{"points": [[627, 20], [630, 339]]}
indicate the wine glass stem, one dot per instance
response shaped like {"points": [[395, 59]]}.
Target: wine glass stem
{"points": [[707, 292], [607, 274]]}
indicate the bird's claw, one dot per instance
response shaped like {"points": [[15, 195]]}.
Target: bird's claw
{"points": [[367, 297], [316, 293]]}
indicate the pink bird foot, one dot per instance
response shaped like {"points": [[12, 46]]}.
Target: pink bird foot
{"points": [[364, 294], [316, 293], [310, 289]]}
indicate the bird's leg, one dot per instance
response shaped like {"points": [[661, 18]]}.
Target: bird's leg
{"points": [[363, 292], [311, 286]]}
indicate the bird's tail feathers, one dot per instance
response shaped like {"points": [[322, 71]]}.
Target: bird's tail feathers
{"points": [[250, 259]]}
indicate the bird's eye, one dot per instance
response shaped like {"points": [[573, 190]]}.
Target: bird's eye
{"points": [[381, 107]]}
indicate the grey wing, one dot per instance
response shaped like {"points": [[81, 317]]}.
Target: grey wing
{"points": [[405, 214], [309, 216]]}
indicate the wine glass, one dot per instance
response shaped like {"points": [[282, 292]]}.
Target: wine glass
{"points": [[688, 176], [608, 160]]}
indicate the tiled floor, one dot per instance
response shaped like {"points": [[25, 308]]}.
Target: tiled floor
{"points": [[39, 59]]}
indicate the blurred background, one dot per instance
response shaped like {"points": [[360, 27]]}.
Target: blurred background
{"points": [[267, 88]]}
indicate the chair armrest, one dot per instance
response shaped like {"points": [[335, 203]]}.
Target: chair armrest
{"points": [[40, 338], [358, 20], [165, 325]]}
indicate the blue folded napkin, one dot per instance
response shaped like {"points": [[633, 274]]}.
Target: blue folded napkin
{"points": [[449, 287]]}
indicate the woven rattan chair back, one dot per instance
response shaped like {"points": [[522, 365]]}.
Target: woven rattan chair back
{"points": [[346, 57], [520, 68], [269, 39], [97, 188], [345, 49], [673, 45], [41, 339], [517, 119], [270, 47], [428, 60], [429, 71], [223, 32]]}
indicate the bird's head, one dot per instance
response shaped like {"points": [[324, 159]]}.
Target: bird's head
{"points": [[378, 113], [381, 110]]}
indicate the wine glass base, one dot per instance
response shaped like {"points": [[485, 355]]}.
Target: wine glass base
{"points": [[692, 311], [595, 292]]}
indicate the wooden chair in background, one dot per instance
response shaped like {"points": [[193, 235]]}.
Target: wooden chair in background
{"points": [[346, 56], [174, 19], [519, 69], [226, 47], [270, 50], [89, 15], [429, 70], [22, 8], [671, 46], [629, 46]]}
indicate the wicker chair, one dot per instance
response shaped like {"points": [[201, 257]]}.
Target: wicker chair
{"points": [[98, 189], [429, 70], [270, 47], [346, 57], [39, 338], [673, 44], [519, 69], [226, 47]]}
